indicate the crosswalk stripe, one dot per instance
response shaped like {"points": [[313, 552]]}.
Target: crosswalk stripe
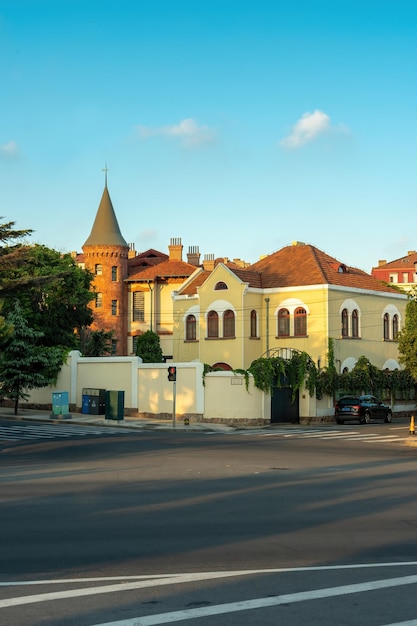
{"points": [[32, 432], [326, 435]]}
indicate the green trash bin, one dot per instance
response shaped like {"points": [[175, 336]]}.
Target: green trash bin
{"points": [[115, 405]]}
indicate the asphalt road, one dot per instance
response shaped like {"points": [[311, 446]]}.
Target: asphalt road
{"points": [[164, 527]]}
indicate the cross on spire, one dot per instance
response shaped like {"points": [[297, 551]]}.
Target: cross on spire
{"points": [[105, 170]]}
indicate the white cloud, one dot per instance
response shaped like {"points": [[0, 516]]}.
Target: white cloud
{"points": [[307, 128], [187, 132], [9, 149]]}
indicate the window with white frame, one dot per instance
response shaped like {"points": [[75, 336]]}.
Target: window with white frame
{"points": [[253, 324], [350, 319], [212, 324], [190, 328], [283, 323], [228, 324], [300, 322], [395, 326]]}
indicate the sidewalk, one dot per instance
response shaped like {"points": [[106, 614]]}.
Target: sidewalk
{"points": [[40, 415]]}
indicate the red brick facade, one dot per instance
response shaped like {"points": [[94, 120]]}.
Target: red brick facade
{"points": [[109, 306]]}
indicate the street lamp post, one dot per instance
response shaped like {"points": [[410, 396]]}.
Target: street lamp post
{"points": [[267, 325]]}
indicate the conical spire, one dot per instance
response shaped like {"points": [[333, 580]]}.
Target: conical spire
{"points": [[105, 229]]}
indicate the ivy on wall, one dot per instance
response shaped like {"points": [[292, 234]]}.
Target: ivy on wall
{"points": [[301, 370]]}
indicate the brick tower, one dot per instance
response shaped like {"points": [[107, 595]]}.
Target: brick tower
{"points": [[106, 256]]}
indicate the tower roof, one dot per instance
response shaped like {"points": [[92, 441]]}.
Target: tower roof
{"points": [[105, 230]]}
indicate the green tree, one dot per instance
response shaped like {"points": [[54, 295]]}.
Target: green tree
{"points": [[95, 342], [407, 338], [149, 348], [54, 293], [24, 363], [12, 255]]}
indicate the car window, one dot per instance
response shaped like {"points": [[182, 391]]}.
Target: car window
{"points": [[348, 401]]}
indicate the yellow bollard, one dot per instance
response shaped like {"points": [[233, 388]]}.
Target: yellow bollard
{"points": [[412, 429]]}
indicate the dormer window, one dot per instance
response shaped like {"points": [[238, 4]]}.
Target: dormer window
{"points": [[342, 269], [220, 285]]}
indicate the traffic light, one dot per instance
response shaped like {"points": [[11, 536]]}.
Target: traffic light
{"points": [[172, 373]]}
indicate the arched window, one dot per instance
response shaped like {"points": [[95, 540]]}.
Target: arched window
{"points": [[395, 326], [355, 323], [190, 328], [253, 324], [345, 323], [220, 285], [283, 323], [300, 322], [228, 323], [212, 324], [222, 366], [386, 327]]}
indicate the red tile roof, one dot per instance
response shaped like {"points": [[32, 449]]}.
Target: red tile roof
{"points": [[297, 266], [404, 263], [166, 269], [303, 264], [198, 280]]}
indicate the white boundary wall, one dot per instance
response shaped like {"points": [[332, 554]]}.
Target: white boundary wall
{"points": [[221, 397]]}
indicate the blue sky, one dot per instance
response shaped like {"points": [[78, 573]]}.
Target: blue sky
{"points": [[237, 126]]}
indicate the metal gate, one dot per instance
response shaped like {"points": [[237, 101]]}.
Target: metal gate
{"points": [[283, 409]]}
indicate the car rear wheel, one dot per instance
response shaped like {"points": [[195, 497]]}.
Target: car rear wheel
{"points": [[366, 418], [339, 421], [388, 417]]}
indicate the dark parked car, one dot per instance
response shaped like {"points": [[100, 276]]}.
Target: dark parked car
{"points": [[362, 408]]}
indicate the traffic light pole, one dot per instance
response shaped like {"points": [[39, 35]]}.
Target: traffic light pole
{"points": [[172, 377], [174, 396]]}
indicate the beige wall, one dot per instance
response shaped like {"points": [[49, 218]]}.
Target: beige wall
{"points": [[370, 343], [110, 373], [158, 313], [156, 393], [227, 400]]}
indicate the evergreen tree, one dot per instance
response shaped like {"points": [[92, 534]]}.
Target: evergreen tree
{"points": [[95, 342], [407, 338], [24, 363], [149, 348], [53, 291]]}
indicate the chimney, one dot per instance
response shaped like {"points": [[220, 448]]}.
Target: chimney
{"points": [[132, 252], [193, 255], [382, 262], [208, 262], [175, 249]]}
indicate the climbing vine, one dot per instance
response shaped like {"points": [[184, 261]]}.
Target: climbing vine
{"points": [[300, 370]]}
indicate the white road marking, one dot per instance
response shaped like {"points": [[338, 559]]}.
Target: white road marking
{"points": [[261, 603], [176, 579]]}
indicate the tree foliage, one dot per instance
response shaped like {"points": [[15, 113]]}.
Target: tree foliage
{"points": [[53, 293], [24, 362], [95, 342], [407, 338], [149, 348]]}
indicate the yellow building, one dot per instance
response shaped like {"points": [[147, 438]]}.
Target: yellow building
{"points": [[294, 299]]}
